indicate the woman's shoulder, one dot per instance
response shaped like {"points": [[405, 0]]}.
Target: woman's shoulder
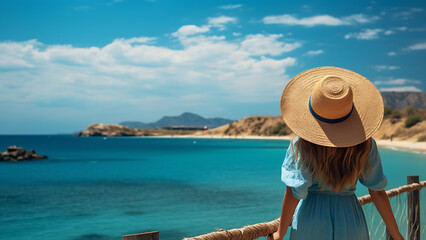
{"points": [[373, 141], [373, 149], [373, 176]]}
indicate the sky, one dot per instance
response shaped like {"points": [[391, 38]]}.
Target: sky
{"points": [[67, 64]]}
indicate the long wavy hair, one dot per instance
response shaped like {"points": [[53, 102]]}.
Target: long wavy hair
{"points": [[335, 166]]}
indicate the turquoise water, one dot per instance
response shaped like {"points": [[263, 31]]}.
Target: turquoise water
{"points": [[103, 188]]}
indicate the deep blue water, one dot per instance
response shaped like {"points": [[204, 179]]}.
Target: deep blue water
{"points": [[103, 188]]}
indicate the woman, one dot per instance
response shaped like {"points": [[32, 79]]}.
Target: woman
{"points": [[334, 112]]}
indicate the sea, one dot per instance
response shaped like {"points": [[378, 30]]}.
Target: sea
{"points": [[101, 188]]}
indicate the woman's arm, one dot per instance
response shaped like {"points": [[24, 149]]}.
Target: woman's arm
{"points": [[288, 207], [380, 199]]}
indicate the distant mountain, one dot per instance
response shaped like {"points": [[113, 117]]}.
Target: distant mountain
{"points": [[401, 100], [185, 119]]}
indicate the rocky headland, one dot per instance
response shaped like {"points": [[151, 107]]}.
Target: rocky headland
{"points": [[16, 154], [116, 130], [109, 130]]}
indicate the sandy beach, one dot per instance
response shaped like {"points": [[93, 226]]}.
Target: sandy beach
{"points": [[228, 137], [414, 146], [408, 145]]}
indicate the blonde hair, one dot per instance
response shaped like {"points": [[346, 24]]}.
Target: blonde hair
{"points": [[336, 166]]}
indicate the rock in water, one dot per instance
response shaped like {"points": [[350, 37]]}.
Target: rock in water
{"points": [[16, 154]]}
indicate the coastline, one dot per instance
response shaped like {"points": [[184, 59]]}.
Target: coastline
{"points": [[403, 145], [407, 145], [225, 137]]}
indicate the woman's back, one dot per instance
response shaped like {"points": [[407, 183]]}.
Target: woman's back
{"points": [[301, 179], [335, 112], [324, 213]]}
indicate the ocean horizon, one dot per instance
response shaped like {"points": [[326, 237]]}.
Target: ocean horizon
{"points": [[107, 187]]}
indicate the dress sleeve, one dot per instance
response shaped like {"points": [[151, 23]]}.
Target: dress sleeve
{"points": [[373, 177], [294, 177]]}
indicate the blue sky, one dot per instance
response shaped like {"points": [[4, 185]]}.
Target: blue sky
{"points": [[67, 64]]}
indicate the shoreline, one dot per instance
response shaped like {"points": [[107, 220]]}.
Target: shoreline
{"points": [[406, 145], [402, 145], [225, 137]]}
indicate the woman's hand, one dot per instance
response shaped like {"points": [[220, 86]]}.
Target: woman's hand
{"points": [[274, 236], [289, 205], [381, 200]]}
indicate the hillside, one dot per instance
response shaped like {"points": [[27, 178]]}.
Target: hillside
{"points": [[389, 127], [402, 100], [275, 126], [252, 126]]}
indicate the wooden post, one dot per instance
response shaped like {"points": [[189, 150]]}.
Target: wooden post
{"points": [[155, 235], [413, 213]]}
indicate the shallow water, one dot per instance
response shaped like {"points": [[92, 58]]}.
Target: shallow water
{"points": [[103, 188]]}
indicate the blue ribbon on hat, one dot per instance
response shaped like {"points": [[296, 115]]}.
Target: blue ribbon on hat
{"points": [[327, 120]]}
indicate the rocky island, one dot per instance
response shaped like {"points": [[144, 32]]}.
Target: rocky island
{"points": [[16, 154]]}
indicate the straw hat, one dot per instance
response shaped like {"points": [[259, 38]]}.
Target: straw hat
{"points": [[332, 107]]}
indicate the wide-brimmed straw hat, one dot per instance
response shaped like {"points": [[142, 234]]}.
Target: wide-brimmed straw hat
{"points": [[332, 106]]}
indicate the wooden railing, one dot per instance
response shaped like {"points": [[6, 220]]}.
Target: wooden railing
{"points": [[263, 229]]}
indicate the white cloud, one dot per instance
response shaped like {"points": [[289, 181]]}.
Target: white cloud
{"points": [[391, 53], [236, 34], [407, 14], [385, 67], [135, 40], [398, 81], [310, 21], [404, 28], [187, 30], [326, 20], [389, 32], [314, 52], [359, 18], [134, 76], [401, 89], [194, 40], [367, 34], [418, 46], [231, 6], [220, 22], [260, 44]]}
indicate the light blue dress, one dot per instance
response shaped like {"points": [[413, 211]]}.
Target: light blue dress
{"points": [[327, 214]]}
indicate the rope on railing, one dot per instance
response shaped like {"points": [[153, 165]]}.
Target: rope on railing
{"points": [[245, 233], [395, 192], [250, 232]]}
